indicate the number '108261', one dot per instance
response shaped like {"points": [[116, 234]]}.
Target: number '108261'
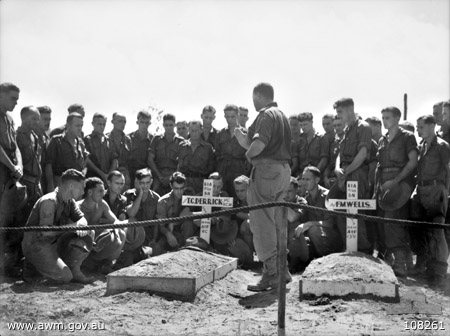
{"points": [[424, 325]]}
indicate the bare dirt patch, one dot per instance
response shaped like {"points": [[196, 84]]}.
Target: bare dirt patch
{"points": [[224, 307]]}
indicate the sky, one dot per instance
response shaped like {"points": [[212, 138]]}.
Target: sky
{"points": [[178, 56]]}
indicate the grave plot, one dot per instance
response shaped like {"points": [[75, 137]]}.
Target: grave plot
{"points": [[178, 275], [349, 275]]}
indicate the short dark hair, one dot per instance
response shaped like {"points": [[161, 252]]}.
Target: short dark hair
{"points": [[337, 117], [427, 119], [44, 109], [114, 173], [98, 115], [438, 104], [117, 115], [242, 108], [394, 110], [7, 87], [343, 102], [294, 116], [446, 103], [294, 182], [231, 107], [265, 90], [407, 125], [144, 115], [209, 108], [143, 173], [27, 111], [168, 117], [91, 183], [177, 177], [72, 175], [314, 170], [75, 108], [73, 115], [328, 116], [305, 116], [374, 120]]}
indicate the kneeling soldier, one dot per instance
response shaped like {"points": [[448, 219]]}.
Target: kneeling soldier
{"points": [[108, 243], [54, 254]]}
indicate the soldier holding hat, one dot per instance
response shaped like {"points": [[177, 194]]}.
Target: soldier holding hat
{"points": [[397, 161], [432, 194]]}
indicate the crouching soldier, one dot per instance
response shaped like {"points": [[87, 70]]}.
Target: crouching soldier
{"points": [[317, 236], [108, 243], [54, 254], [141, 205]]}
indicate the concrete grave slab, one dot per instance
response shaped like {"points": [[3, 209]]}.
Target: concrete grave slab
{"points": [[349, 275], [178, 275]]}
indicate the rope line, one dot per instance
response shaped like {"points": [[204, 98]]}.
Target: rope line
{"points": [[154, 222]]}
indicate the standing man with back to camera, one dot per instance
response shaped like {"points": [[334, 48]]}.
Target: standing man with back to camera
{"points": [[268, 144]]}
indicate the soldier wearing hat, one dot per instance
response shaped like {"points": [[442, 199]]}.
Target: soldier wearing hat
{"points": [[432, 194], [397, 161], [352, 163], [58, 255]]}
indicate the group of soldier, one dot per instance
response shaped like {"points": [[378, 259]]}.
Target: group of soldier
{"points": [[82, 180]]}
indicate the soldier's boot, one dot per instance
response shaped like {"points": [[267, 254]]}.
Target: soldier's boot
{"points": [[269, 279], [74, 256], [421, 265], [399, 266]]}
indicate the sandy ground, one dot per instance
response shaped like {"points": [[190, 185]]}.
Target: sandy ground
{"points": [[222, 308]]}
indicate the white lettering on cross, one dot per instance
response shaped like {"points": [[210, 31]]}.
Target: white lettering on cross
{"points": [[207, 201], [352, 204]]}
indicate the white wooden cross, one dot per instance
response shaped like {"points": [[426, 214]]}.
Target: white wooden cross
{"points": [[207, 201], [352, 204]]}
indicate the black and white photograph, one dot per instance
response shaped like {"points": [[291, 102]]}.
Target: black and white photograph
{"points": [[224, 167]]}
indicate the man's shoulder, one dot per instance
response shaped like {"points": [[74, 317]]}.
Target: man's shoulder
{"points": [[165, 198], [361, 124], [442, 143], [49, 198], [154, 195], [323, 191]]}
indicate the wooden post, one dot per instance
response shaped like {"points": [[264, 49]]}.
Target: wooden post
{"points": [[281, 229], [352, 204], [405, 106]]}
